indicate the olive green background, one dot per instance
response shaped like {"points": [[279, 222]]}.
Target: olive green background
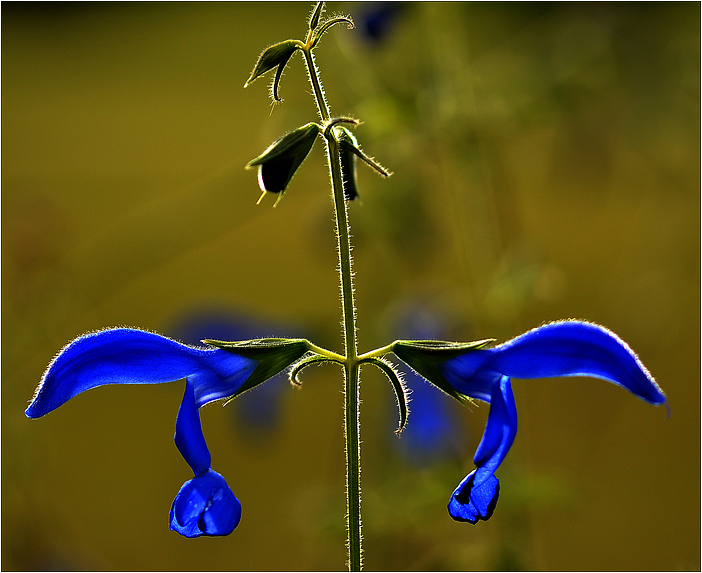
{"points": [[546, 165]]}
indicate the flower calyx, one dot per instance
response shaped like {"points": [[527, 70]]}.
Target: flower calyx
{"points": [[278, 55], [398, 385], [426, 357], [273, 355], [280, 161]]}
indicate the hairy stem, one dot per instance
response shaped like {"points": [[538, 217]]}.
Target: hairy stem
{"points": [[351, 362]]}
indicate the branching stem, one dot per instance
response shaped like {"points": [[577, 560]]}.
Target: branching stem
{"points": [[350, 359]]}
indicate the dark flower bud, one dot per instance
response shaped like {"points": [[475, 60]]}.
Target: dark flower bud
{"points": [[278, 163], [347, 142]]}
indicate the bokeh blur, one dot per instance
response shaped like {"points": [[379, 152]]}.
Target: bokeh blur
{"points": [[546, 164]]}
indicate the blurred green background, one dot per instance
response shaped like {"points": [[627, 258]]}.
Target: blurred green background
{"points": [[546, 164]]}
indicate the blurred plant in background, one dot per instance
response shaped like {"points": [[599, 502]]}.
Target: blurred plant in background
{"points": [[577, 123], [435, 433]]}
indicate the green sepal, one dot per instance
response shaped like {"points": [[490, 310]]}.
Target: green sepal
{"points": [[295, 370], [291, 143], [349, 149], [272, 354], [279, 162], [348, 141], [426, 357], [274, 56]]}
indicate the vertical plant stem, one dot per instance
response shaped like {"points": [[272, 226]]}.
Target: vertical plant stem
{"points": [[351, 370], [351, 367]]}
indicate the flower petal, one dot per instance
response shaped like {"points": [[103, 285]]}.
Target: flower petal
{"points": [[348, 174], [567, 348], [189, 438], [500, 431], [574, 348], [205, 505], [275, 175], [131, 356], [473, 503]]}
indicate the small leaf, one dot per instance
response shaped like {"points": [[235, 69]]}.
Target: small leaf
{"points": [[348, 140], [348, 151], [316, 13], [295, 371]]}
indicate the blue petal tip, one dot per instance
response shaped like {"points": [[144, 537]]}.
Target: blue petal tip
{"points": [[205, 505], [472, 503]]}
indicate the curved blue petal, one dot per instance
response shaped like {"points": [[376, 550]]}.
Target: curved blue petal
{"points": [[189, 438], [467, 374], [132, 356], [567, 348], [500, 431], [473, 503], [205, 505], [574, 348]]}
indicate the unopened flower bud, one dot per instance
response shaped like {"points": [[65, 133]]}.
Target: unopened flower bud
{"points": [[278, 163]]}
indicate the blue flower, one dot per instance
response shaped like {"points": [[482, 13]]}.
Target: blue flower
{"points": [[473, 370], [378, 21], [205, 505]]}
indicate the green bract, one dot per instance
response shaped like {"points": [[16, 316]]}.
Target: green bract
{"points": [[316, 13], [426, 356], [272, 354], [324, 26], [276, 55], [278, 163]]}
